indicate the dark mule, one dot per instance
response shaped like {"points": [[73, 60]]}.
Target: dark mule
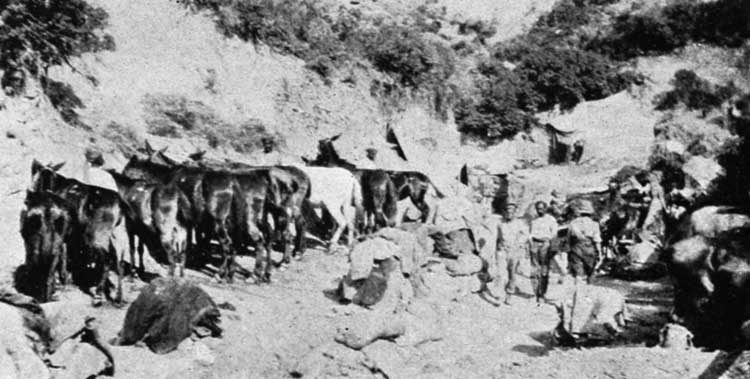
{"points": [[46, 227], [153, 168], [160, 214], [379, 199], [99, 214], [223, 205], [414, 185], [292, 187]]}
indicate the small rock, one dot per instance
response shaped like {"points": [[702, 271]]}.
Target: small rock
{"points": [[202, 354], [466, 264], [228, 306]]}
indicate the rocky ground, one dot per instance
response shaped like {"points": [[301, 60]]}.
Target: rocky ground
{"points": [[289, 326]]}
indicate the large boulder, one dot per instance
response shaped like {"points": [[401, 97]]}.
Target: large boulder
{"points": [[434, 282], [365, 253], [414, 247], [79, 360], [454, 243], [365, 328], [466, 264], [166, 312]]}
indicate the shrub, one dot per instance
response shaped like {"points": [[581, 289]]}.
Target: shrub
{"points": [[499, 110], [566, 76], [566, 15], [644, 34], [403, 53], [482, 29], [36, 34], [63, 99], [694, 92], [670, 164], [722, 22]]}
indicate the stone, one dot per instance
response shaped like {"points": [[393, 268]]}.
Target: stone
{"points": [[364, 328], [466, 264]]}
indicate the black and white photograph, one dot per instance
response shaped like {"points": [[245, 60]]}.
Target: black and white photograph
{"points": [[385, 189]]}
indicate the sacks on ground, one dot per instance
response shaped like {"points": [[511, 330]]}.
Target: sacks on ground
{"points": [[410, 252], [166, 312], [364, 254], [593, 313], [385, 288], [454, 243]]}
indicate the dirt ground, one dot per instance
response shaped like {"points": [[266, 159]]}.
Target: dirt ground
{"points": [[274, 327]]}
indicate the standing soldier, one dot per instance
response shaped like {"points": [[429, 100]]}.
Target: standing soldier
{"points": [[585, 242], [543, 230], [513, 246]]}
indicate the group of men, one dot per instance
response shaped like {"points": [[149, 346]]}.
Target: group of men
{"points": [[537, 240]]}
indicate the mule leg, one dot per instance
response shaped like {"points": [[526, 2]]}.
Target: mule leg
{"points": [[63, 265], [226, 248], [340, 220], [119, 265], [300, 227], [170, 258], [349, 214], [141, 266], [50, 288], [182, 251], [131, 248]]}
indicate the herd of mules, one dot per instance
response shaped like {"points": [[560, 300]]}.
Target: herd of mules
{"points": [[177, 210]]}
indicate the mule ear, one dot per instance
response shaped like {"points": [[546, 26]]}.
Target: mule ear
{"points": [[36, 166], [57, 167], [147, 147]]}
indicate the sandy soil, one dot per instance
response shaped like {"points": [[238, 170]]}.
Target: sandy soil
{"points": [[273, 328]]}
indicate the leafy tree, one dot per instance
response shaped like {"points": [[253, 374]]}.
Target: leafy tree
{"points": [[36, 34]]}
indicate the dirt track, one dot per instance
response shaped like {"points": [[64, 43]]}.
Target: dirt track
{"points": [[276, 326]]}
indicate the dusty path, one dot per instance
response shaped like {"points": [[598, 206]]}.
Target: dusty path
{"points": [[275, 326]]}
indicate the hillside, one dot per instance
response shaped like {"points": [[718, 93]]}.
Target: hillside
{"points": [[175, 80]]}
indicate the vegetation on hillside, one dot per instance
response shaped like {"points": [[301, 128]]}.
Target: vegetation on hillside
{"points": [[695, 93], [661, 30], [542, 69], [732, 187], [37, 34]]}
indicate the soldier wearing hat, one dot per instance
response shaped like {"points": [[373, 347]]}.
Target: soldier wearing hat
{"points": [[584, 237], [513, 246]]}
